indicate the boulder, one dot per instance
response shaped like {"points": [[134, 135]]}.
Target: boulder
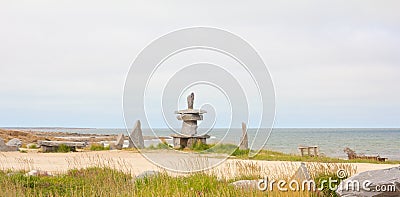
{"points": [[301, 174], [245, 184], [14, 142], [147, 174], [119, 143], [372, 183], [4, 147], [37, 173], [136, 137]]}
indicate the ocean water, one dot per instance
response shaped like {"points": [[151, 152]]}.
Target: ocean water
{"points": [[331, 141]]}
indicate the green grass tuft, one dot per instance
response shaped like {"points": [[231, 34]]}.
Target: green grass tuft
{"points": [[199, 146], [33, 146], [163, 145], [63, 149], [98, 147]]}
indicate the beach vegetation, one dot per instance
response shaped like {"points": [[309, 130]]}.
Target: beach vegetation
{"points": [[199, 146], [63, 149], [98, 147], [33, 146], [91, 182], [163, 145], [151, 147], [271, 155]]}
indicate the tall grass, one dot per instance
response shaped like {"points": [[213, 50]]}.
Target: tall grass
{"points": [[95, 181], [113, 177], [103, 179]]}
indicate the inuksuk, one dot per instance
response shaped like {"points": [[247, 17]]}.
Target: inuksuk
{"points": [[188, 135]]}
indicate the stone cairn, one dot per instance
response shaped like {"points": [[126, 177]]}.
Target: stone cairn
{"points": [[188, 136]]}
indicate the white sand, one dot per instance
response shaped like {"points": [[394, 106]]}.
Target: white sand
{"points": [[135, 163]]}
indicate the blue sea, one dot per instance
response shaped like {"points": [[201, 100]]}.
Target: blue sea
{"points": [[384, 142]]}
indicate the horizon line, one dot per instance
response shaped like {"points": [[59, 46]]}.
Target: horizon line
{"points": [[58, 127]]}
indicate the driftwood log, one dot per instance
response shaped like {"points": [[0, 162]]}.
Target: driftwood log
{"points": [[351, 154]]}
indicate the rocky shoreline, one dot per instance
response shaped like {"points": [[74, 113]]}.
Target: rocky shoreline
{"points": [[28, 137]]}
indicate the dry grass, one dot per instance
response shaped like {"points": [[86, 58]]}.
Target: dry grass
{"points": [[101, 178]]}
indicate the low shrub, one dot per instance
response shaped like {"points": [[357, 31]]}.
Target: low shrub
{"points": [[63, 148], [199, 146], [33, 146], [163, 145], [239, 152], [98, 147]]}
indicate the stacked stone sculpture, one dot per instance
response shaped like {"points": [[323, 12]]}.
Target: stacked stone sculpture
{"points": [[188, 136]]}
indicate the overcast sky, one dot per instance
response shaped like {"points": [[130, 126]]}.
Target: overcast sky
{"points": [[334, 64]]}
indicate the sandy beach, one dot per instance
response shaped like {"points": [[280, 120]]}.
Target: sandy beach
{"points": [[135, 163]]}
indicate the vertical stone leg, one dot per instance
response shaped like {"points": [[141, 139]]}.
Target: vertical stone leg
{"points": [[308, 151], [184, 142], [316, 151], [176, 142], [301, 152]]}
